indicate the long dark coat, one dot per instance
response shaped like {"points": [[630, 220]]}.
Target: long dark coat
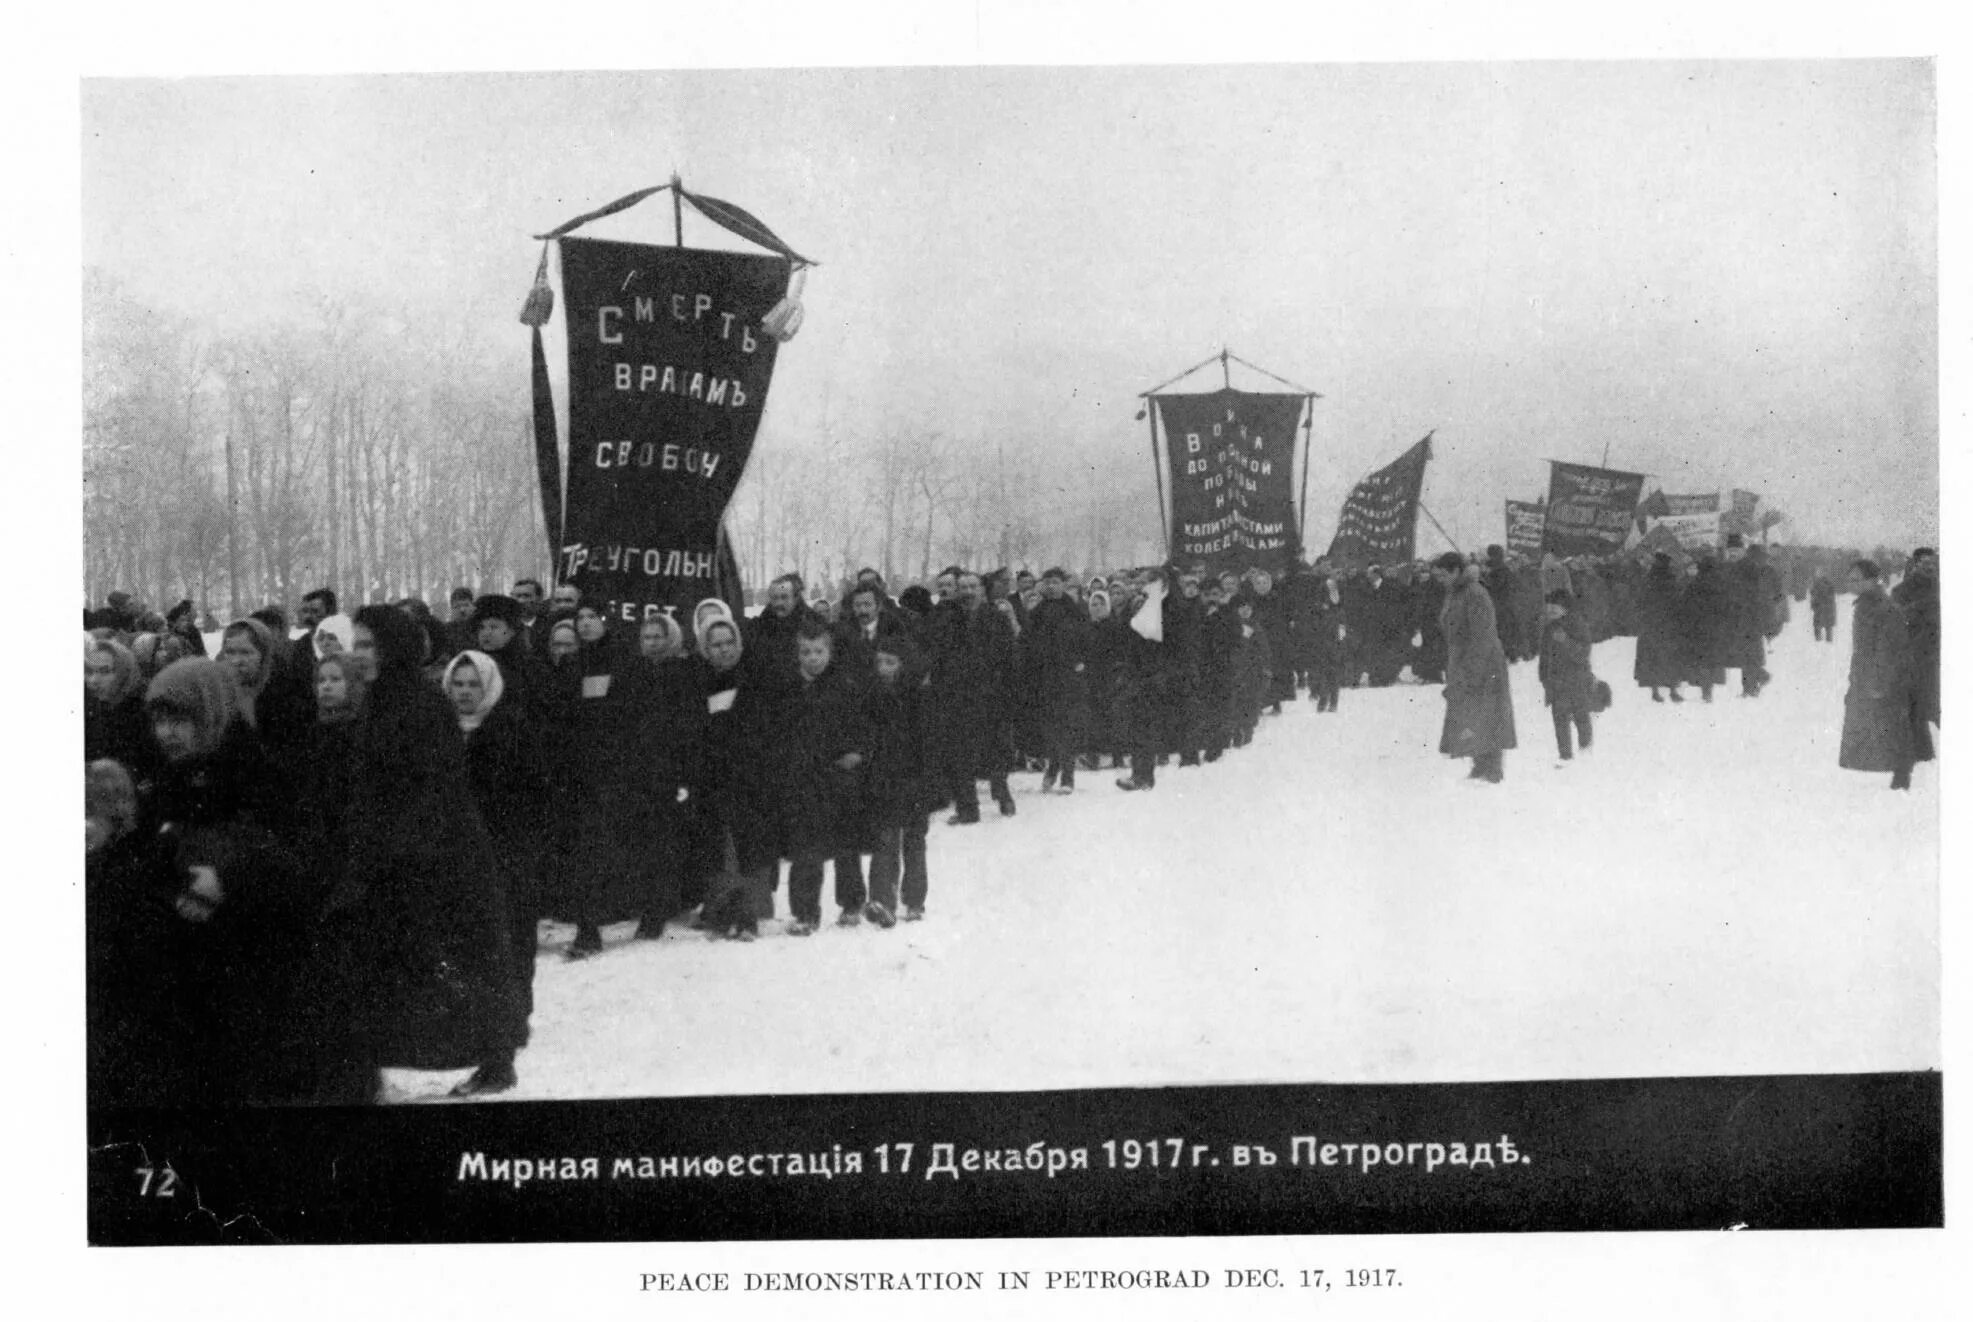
{"points": [[1428, 662], [1878, 733], [732, 790], [1216, 689], [1056, 647], [1104, 653], [1271, 616], [511, 774], [1298, 594], [1479, 714], [820, 802], [1505, 595], [1822, 603], [1919, 599], [202, 1013], [1526, 628], [1324, 629], [1745, 630], [1661, 658], [1147, 699], [901, 783], [1702, 624], [1252, 666], [1563, 666], [420, 908], [1193, 715], [972, 666]]}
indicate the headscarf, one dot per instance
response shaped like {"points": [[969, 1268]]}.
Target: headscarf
{"points": [[674, 643], [202, 691], [400, 645], [145, 647], [109, 796], [739, 639], [355, 688], [491, 687], [127, 677], [339, 627], [704, 617], [263, 641]]}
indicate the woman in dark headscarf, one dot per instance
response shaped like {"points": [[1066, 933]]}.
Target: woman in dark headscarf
{"points": [[114, 725], [735, 848], [595, 801], [205, 946], [420, 914], [325, 768], [274, 702]]}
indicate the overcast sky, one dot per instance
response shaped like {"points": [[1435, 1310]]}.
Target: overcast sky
{"points": [[1725, 272]]}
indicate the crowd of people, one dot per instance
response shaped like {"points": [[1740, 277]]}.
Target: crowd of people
{"points": [[323, 852]]}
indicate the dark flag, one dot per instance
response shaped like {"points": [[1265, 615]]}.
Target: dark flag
{"points": [[1379, 522], [669, 367], [1589, 509], [1231, 457]]}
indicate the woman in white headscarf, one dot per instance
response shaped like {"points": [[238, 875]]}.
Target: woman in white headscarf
{"points": [[333, 636], [508, 770]]}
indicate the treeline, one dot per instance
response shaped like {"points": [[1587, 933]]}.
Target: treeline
{"points": [[348, 446]]}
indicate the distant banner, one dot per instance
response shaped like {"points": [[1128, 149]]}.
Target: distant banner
{"points": [[1740, 518], [1231, 457], [1695, 530], [668, 375], [1706, 503], [1589, 509], [1525, 520], [1379, 521]]}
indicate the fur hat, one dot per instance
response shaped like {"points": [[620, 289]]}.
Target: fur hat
{"points": [[497, 606]]}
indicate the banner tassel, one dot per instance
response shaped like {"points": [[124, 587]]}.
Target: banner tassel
{"points": [[785, 317], [540, 304]]}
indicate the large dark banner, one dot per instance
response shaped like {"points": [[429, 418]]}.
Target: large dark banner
{"points": [[1231, 455], [1379, 521], [1589, 509], [668, 374]]}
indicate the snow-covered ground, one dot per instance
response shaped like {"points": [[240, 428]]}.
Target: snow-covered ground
{"points": [[1705, 893]]}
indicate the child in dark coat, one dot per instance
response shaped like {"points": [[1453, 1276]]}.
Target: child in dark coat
{"points": [[1566, 681], [902, 783], [819, 756]]}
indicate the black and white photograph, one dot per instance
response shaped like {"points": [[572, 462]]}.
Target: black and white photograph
{"points": [[1062, 651]]}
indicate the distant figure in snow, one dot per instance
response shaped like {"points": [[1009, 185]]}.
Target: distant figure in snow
{"points": [[1479, 718], [1563, 667], [1879, 732], [1822, 607]]}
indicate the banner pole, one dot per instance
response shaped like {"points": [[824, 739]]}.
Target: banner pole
{"points": [[1225, 372], [1308, 455], [1158, 471], [1146, 394], [1441, 527], [677, 210]]}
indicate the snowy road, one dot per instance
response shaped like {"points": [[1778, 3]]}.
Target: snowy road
{"points": [[1704, 894]]}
